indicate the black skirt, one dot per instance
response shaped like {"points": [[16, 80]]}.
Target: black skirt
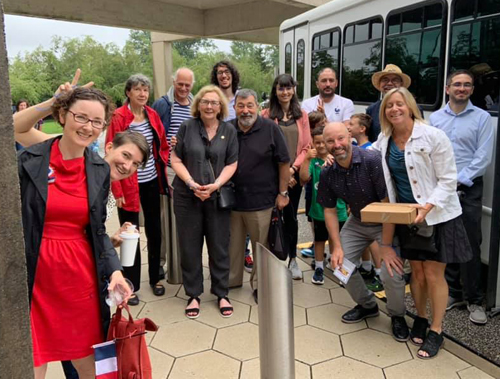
{"points": [[451, 242]]}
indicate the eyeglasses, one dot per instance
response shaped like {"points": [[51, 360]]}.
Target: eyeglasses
{"points": [[385, 80], [213, 103], [81, 119], [460, 84], [223, 72], [249, 106]]}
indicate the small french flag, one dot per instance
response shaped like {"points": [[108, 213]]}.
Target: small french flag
{"points": [[106, 365]]}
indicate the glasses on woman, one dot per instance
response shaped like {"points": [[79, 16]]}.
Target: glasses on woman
{"points": [[81, 119], [213, 103]]}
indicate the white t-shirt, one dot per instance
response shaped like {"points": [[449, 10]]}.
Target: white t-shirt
{"points": [[339, 109]]}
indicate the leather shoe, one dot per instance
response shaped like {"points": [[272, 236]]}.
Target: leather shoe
{"points": [[158, 289], [134, 300], [400, 330], [358, 313]]}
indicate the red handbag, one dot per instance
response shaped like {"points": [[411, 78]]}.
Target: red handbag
{"points": [[131, 348]]}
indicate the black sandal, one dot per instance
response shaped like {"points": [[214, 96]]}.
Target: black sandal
{"points": [[225, 309], [196, 311], [431, 345], [419, 330]]}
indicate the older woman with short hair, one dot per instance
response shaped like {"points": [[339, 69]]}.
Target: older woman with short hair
{"points": [[204, 159], [419, 168], [144, 187]]}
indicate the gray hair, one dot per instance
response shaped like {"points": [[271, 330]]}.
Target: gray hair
{"points": [[135, 80], [245, 93], [176, 73]]}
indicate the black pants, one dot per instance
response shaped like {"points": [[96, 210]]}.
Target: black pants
{"points": [[290, 218], [464, 279], [149, 194], [197, 220]]}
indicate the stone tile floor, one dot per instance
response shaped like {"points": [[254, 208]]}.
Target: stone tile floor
{"points": [[220, 348]]}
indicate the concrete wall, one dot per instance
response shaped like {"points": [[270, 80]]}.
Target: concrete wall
{"points": [[15, 337]]}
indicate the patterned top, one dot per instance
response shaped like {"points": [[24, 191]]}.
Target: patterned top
{"points": [[359, 185], [148, 172]]}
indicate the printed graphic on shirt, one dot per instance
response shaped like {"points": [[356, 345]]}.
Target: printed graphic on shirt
{"points": [[51, 178]]}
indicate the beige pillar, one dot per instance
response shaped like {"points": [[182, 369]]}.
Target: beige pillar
{"points": [[162, 67]]}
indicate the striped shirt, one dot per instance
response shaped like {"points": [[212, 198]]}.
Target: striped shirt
{"points": [[179, 114], [147, 173]]}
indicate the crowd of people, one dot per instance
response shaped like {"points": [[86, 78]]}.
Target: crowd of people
{"points": [[198, 148]]}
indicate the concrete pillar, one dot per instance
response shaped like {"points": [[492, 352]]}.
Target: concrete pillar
{"points": [[162, 67], [15, 336]]}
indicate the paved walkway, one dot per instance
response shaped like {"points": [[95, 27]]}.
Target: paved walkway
{"points": [[213, 347]]}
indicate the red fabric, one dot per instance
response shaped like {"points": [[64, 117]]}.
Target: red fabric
{"points": [[304, 140], [129, 187], [65, 314]]}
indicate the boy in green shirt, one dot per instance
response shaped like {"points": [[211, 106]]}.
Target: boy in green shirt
{"points": [[311, 170]]}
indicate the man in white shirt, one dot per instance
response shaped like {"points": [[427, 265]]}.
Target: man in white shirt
{"points": [[335, 107]]}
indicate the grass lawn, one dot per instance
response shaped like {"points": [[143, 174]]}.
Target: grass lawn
{"points": [[51, 127]]}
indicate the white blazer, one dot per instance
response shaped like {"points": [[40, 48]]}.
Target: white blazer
{"points": [[431, 168]]}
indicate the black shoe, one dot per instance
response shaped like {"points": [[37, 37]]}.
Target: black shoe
{"points": [[366, 274], [134, 300], [358, 313], [400, 330], [158, 289], [255, 296]]}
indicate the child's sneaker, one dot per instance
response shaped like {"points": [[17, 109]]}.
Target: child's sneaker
{"points": [[307, 253], [366, 274], [318, 277], [375, 285], [248, 263]]}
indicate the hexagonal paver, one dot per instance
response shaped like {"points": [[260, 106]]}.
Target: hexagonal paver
{"points": [[206, 365], [242, 294], [382, 323], [340, 296], [328, 317], [473, 373], [204, 297], [306, 296], [329, 284], [165, 312], [299, 316], [239, 341], [344, 367], [314, 345], [210, 314], [161, 363], [375, 348], [183, 338], [251, 370], [445, 365]]}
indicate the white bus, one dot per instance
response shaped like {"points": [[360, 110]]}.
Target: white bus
{"points": [[426, 39]]}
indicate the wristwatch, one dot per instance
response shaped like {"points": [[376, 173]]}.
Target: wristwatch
{"points": [[284, 193]]}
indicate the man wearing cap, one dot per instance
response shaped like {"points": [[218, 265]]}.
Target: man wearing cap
{"points": [[472, 136], [335, 107], [390, 77]]}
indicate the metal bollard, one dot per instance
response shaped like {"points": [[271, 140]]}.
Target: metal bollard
{"points": [[169, 241], [276, 334]]}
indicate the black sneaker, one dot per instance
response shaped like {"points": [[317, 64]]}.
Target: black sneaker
{"points": [[358, 313], [400, 330], [318, 277], [366, 274]]}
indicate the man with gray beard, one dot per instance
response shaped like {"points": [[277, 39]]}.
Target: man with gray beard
{"points": [[261, 181]]}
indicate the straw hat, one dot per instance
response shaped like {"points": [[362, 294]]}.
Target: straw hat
{"points": [[390, 69]]}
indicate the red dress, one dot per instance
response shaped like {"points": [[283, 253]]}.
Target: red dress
{"points": [[65, 314]]}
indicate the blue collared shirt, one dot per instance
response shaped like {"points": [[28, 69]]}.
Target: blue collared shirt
{"points": [[472, 138]]}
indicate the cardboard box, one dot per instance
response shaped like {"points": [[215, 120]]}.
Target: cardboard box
{"points": [[390, 213]]}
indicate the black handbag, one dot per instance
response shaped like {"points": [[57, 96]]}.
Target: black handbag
{"points": [[276, 237], [418, 237], [226, 198]]}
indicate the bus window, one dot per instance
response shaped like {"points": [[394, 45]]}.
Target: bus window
{"points": [[324, 54], [301, 55], [475, 46], [362, 58], [288, 58], [418, 49]]}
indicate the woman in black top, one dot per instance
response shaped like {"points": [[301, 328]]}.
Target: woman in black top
{"points": [[204, 159]]}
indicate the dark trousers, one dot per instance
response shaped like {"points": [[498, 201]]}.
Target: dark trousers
{"points": [[197, 220], [464, 279], [149, 194], [69, 371], [290, 218]]}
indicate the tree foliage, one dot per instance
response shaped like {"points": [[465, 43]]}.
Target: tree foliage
{"points": [[36, 75]]}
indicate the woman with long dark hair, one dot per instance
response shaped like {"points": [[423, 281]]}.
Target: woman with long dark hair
{"points": [[284, 109]]}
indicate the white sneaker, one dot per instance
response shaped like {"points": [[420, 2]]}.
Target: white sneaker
{"points": [[294, 269], [477, 314]]}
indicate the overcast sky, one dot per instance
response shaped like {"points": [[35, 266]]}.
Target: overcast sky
{"points": [[24, 34]]}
